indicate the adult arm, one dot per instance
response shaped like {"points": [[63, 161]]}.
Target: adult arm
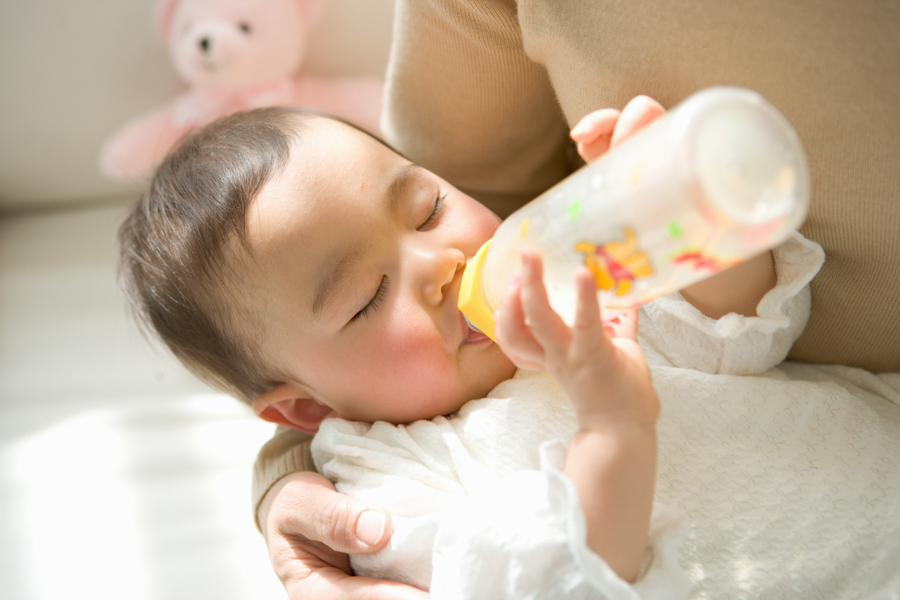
{"points": [[735, 290]]}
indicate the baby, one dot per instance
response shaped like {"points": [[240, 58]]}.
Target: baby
{"points": [[311, 271]]}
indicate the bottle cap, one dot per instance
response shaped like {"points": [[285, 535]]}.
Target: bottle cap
{"points": [[472, 302]]}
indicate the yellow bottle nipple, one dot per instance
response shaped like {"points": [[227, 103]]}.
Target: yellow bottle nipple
{"points": [[472, 303]]}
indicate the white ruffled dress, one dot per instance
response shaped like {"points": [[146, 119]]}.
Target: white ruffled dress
{"points": [[774, 480]]}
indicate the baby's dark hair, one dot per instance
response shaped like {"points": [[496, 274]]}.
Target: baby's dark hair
{"points": [[176, 246]]}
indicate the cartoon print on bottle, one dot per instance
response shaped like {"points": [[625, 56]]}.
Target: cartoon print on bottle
{"points": [[715, 182], [701, 259], [616, 264]]}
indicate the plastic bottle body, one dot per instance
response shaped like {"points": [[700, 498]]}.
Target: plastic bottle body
{"points": [[720, 179]]}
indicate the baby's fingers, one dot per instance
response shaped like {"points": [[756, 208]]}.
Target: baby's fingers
{"points": [[513, 334], [588, 334], [546, 326], [621, 323], [637, 114], [594, 132]]}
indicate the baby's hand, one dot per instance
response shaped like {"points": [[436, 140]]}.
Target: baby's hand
{"points": [[602, 130], [600, 365], [612, 458]]}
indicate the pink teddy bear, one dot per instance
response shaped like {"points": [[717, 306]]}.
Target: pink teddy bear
{"points": [[236, 55]]}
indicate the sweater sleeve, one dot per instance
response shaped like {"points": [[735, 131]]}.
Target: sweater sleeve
{"points": [[463, 100], [735, 344], [287, 452]]}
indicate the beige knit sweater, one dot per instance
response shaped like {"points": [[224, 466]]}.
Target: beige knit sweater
{"points": [[484, 92]]}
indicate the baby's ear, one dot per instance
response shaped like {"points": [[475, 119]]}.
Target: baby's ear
{"points": [[288, 405]]}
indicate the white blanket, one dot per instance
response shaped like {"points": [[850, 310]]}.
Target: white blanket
{"points": [[787, 475]]}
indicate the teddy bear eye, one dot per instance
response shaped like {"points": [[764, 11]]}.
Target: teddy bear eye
{"points": [[244, 27]]}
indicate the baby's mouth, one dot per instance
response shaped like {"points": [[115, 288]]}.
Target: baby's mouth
{"points": [[473, 335], [470, 333], [470, 324]]}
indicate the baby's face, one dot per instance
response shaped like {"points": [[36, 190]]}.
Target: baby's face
{"points": [[357, 259]]}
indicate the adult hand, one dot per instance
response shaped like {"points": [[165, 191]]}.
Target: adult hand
{"points": [[309, 530]]}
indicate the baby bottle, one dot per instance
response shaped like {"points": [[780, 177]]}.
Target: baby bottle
{"points": [[720, 179]]}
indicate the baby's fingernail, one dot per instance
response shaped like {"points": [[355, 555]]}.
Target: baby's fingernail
{"points": [[370, 527], [527, 260], [580, 129]]}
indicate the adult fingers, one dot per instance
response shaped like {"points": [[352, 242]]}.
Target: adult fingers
{"points": [[637, 114], [333, 584], [312, 571], [305, 504]]}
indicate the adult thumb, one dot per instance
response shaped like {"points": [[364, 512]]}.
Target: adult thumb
{"points": [[306, 505]]}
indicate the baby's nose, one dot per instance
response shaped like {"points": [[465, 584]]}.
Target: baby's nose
{"points": [[440, 270]]}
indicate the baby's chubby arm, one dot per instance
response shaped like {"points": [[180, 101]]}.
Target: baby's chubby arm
{"points": [[612, 458], [738, 289]]}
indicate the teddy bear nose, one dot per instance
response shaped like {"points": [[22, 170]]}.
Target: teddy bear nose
{"points": [[205, 43]]}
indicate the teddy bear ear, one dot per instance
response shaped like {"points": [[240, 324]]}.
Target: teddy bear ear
{"points": [[164, 11], [310, 10]]}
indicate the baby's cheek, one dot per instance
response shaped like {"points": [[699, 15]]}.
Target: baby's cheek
{"points": [[414, 350]]}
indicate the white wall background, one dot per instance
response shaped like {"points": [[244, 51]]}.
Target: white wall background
{"points": [[72, 71]]}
